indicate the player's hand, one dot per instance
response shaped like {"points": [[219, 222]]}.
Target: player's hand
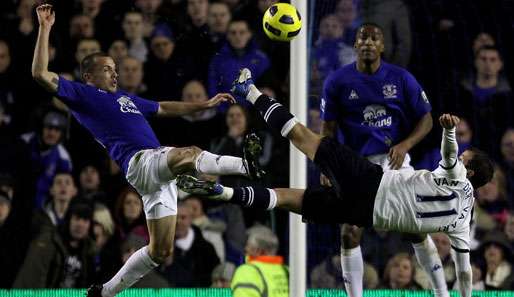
{"points": [[324, 181], [45, 15], [218, 99], [397, 155], [448, 121]]}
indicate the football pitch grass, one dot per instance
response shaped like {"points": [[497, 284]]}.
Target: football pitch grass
{"points": [[226, 293]]}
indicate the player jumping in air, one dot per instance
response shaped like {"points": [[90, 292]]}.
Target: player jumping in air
{"points": [[418, 201], [118, 121]]}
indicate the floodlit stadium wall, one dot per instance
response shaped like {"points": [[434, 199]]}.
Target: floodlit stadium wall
{"points": [[226, 293]]}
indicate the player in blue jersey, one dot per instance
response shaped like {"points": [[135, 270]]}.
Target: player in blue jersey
{"points": [[363, 193], [118, 122], [382, 112]]}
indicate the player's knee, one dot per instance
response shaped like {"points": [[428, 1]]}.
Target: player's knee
{"points": [[183, 159], [189, 154], [160, 254]]}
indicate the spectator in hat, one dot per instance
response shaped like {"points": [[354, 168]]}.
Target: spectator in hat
{"points": [[63, 257], [48, 155], [151, 280], [497, 253], [222, 275]]}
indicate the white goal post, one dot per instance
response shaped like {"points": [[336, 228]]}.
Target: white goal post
{"points": [[298, 162]]}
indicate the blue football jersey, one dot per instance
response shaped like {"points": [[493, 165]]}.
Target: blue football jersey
{"points": [[116, 120], [373, 112]]}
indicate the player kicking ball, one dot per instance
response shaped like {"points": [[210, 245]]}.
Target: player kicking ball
{"points": [[420, 201], [118, 121]]}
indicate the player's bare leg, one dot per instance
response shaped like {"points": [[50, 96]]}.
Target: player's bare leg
{"points": [[351, 259], [160, 247], [162, 234], [188, 159]]}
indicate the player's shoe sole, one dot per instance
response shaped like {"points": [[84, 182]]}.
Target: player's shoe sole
{"points": [[94, 291], [252, 150], [241, 86], [192, 185]]}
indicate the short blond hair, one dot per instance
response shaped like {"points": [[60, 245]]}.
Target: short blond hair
{"points": [[103, 217]]}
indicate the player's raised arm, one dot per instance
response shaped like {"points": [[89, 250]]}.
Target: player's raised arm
{"points": [[49, 80], [449, 146], [179, 108]]}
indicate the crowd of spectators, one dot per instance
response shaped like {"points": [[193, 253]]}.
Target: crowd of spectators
{"points": [[68, 218]]}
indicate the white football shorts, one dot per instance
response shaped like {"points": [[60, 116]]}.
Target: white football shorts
{"points": [[149, 174]]}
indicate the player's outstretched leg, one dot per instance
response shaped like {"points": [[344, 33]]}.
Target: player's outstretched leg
{"points": [[253, 197], [186, 159], [428, 258], [140, 263], [276, 115]]}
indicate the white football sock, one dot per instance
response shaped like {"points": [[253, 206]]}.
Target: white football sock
{"points": [[353, 271], [253, 94], [227, 194], [210, 163], [428, 258], [137, 266]]}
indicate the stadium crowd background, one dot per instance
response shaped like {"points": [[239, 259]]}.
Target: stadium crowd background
{"points": [[51, 168]]}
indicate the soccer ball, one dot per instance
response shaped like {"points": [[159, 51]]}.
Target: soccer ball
{"points": [[281, 22]]}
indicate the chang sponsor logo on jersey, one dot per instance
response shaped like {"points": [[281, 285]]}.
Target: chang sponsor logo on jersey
{"points": [[376, 116], [126, 105]]}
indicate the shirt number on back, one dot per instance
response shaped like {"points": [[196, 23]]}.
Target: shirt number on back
{"points": [[435, 214]]}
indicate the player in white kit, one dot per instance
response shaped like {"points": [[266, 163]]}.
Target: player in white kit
{"points": [[419, 201]]}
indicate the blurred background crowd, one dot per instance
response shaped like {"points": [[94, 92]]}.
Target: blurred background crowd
{"points": [[64, 201]]}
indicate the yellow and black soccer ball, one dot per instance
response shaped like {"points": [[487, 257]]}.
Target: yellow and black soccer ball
{"points": [[281, 22]]}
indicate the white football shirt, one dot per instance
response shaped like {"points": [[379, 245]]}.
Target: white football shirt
{"points": [[425, 201]]}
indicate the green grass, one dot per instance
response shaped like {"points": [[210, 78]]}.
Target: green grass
{"points": [[226, 293]]}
